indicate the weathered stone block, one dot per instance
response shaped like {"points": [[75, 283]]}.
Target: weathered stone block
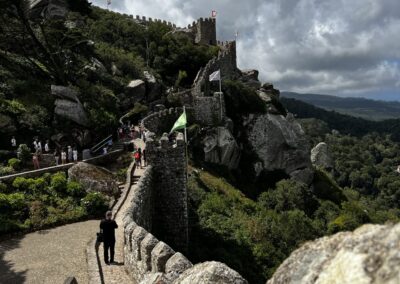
{"points": [[137, 237], [159, 257], [147, 246]]}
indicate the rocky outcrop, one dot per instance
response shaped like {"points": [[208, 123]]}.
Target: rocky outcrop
{"points": [[278, 141], [154, 88], [96, 66], [210, 272], [48, 9], [135, 91], [250, 78], [370, 254], [94, 179], [67, 105], [321, 157], [220, 147]]}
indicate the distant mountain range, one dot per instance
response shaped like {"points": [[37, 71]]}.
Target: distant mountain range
{"points": [[358, 107], [345, 124]]}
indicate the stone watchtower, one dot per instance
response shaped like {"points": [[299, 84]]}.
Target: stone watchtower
{"points": [[170, 205], [206, 31]]}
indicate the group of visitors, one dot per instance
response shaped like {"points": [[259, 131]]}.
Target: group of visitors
{"points": [[67, 155]]}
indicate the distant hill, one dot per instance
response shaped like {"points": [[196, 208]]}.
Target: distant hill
{"points": [[359, 107], [345, 124]]}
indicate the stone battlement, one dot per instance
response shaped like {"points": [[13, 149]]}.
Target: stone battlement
{"points": [[158, 122], [146, 21]]}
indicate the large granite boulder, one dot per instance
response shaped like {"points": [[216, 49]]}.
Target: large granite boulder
{"points": [[279, 142], [94, 179], [220, 147], [210, 272], [135, 91], [67, 105], [370, 254], [321, 157], [154, 88]]}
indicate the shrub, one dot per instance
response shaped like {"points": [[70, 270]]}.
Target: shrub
{"points": [[95, 204], [75, 189], [3, 188], [6, 171], [58, 182], [14, 163], [21, 183], [13, 205], [37, 213], [24, 153]]}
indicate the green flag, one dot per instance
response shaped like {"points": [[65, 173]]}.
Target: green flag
{"points": [[180, 123]]}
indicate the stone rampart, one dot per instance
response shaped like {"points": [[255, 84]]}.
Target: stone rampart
{"points": [[149, 260], [159, 122], [225, 61]]}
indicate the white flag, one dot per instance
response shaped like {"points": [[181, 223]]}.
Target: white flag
{"points": [[216, 76]]}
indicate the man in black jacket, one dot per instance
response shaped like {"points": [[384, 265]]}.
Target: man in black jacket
{"points": [[108, 226]]}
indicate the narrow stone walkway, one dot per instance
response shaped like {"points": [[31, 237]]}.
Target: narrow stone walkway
{"points": [[115, 273]]}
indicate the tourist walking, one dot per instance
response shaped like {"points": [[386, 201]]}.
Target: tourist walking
{"points": [[39, 148], [47, 147], [70, 154], [35, 145], [35, 160], [144, 158], [63, 157], [107, 227], [13, 143], [56, 157], [75, 155], [136, 155]]}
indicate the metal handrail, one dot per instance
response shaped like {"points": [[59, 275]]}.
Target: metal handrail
{"points": [[98, 146]]}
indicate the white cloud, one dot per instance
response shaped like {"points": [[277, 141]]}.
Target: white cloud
{"points": [[321, 46]]}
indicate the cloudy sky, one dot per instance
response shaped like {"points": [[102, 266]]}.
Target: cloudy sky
{"points": [[338, 47]]}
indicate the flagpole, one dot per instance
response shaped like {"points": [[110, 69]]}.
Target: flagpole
{"points": [[186, 149]]}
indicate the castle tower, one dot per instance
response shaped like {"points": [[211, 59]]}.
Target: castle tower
{"points": [[170, 211], [206, 31]]}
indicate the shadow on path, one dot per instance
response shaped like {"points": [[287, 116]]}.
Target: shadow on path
{"points": [[7, 274]]}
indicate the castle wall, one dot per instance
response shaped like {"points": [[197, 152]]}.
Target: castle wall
{"points": [[207, 110], [146, 21]]}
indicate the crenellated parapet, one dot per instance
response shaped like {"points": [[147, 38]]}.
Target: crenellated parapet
{"points": [[159, 122], [147, 20]]}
